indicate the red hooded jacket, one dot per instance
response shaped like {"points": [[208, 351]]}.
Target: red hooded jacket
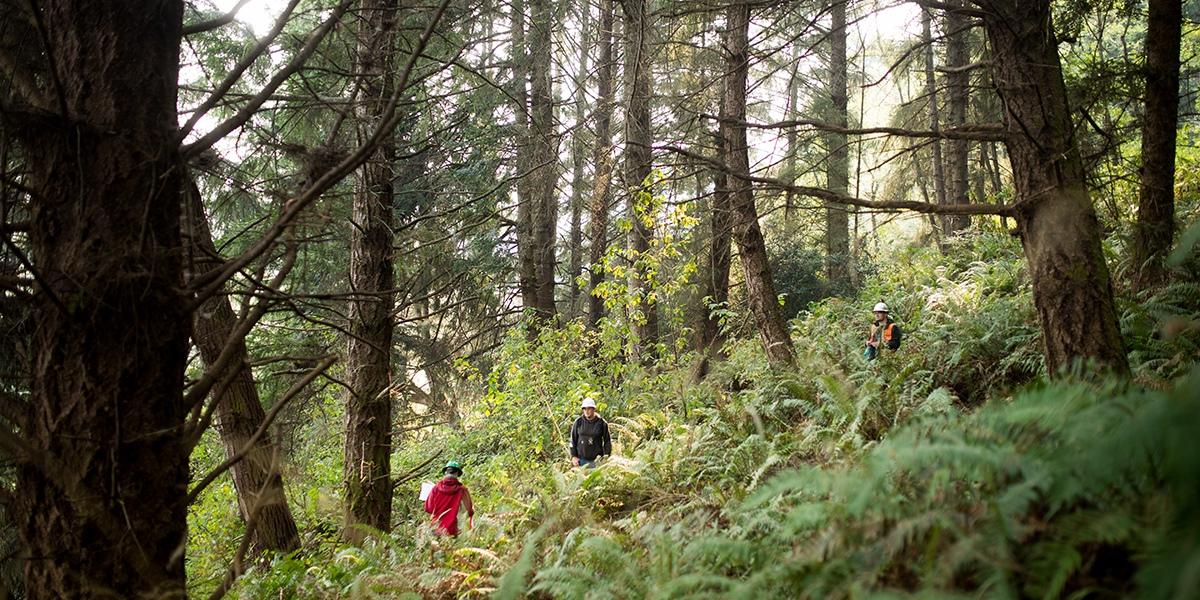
{"points": [[444, 502]]}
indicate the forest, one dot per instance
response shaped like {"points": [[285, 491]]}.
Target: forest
{"points": [[873, 298]]}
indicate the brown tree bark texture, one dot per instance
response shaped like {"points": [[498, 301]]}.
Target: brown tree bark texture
{"points": [[603, 162], [957, 82], [368, 448], [716, 283], [101, 503], [939, 172], [760, 290], [1057, 222], [638, 157], [257, 477], [544, 178], [527, 270], [837, 167], [578, 158], [1155, 229]]}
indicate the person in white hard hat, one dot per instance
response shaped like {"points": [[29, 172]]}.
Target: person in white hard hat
{"points": [[884, 333], [589, 436]]}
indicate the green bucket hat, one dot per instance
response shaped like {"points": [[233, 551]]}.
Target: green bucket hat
{"points": [[454, 464]]}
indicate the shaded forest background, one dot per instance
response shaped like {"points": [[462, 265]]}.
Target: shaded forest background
{"points": [[267, 265]]}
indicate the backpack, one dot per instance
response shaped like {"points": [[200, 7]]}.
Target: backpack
{"points": [[892, 336]]}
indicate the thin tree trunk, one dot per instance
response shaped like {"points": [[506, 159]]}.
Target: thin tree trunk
{"points": [[760, 290], [101, 497], [939, 172], [579, 157], [1057, 222], [603, 163], [1155, 227], [837, 173], [719, 259], [793, 147], [544, 144], [957, 80], [256, 478], [368, 446], [638, 161]]}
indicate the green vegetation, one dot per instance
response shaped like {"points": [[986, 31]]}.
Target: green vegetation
{"points": [[949, 468]]}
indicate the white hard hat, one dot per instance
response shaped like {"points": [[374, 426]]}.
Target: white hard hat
{"points": [[880, 307], [589, 403]]}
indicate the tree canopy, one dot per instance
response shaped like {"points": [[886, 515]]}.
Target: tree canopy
{"points": [[267, 265]]}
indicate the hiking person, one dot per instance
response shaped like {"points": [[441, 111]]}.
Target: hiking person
{"points": [[589, 436], [884, 333], [447, 498]]}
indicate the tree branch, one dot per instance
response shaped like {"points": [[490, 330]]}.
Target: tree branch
{"points": [[246, 112], [829, 196], [208, 283], [979, 132], [292, 392], [220, 21]]}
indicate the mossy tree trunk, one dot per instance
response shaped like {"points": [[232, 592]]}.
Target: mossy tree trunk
{"points": [[1057, 222], [368, 447]]}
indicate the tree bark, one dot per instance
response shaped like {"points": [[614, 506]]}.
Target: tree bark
{"points": [[939, 171], [1057, 222], [957, 81], [639, 161], [1155, 227], [101, 498], [717, 263], [837, 167], [792, 140], [603, 163], [368, 448], [544, 162], [578, 158], [257, 477], [527, 270], [760, 290]]}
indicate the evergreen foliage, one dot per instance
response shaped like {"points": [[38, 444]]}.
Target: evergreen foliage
{"points": [[840, 478]]}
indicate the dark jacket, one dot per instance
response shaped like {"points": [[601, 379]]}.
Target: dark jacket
{"points": [[590, 439]]}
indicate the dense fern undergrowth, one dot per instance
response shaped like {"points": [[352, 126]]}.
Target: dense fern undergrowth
{"points": [[951, 468]]}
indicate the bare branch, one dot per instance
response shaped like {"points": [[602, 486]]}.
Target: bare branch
{"points": [[292, 392], [829, 196], [220, 21], [950, 8], [246, 112], [987, 132], [209, 283]]}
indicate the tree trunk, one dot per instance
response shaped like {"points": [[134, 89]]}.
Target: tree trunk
{"points": [[837, 167], [1056, 219], [545, 158], [368, 448], [602, 162], [257, 477], [639, 162], [578, 159], [957, 80], [792, 140], [716, 282], [101, 500], [939, 171], [527, 271], [1155, 228], [760, 290]]}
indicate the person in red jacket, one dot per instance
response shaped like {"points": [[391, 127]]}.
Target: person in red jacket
{"points": [[447, 498]]}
